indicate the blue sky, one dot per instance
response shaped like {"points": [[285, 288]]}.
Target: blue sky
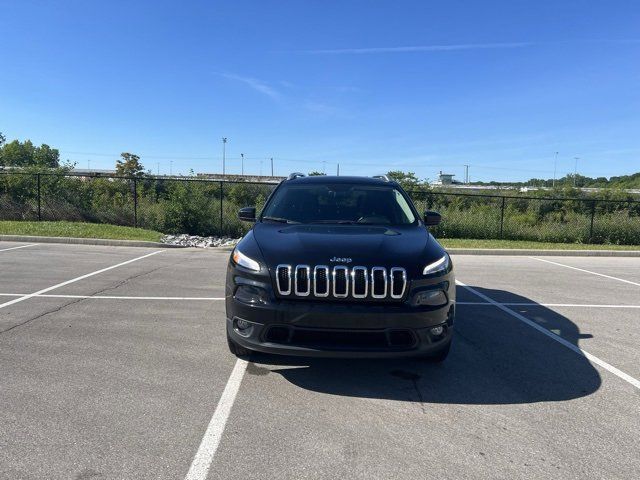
{"points": [[372, 85]]}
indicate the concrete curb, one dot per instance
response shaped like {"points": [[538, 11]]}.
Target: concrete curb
{"points": [[542, 253], [86, 241]]}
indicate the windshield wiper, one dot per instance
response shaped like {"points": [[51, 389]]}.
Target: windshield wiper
{"points": [[279, 219], [339, 222]]}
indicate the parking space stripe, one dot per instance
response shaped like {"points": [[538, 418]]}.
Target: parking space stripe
{"points": [[536, 304], [610, 368], [115, 297], [204, 456], [16, 248], [73, 280], [587, 271]]}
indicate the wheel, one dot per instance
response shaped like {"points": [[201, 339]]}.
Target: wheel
{"points": [[237, 350], [440, 355]]}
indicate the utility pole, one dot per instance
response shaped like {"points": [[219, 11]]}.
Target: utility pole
{"points": [[224, 148], [242, 162], [555, 166], [272, 166], [575, 170], [466, 174], [338, 172]]}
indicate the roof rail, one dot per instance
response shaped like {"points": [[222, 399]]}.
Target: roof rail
{"points": [[295, 175], [382, 177]]}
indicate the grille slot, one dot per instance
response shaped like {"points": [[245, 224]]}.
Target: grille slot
{"points": [[303, 280], [360, 282], [283, 279], [378, 282], [321, 281], [341, 282], [398, 282]]}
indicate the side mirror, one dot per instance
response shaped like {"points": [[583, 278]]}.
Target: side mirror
{"points": [[431, 219], [247, 214]]}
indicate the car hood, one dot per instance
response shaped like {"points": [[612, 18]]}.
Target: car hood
{"points": [[409, 246]]}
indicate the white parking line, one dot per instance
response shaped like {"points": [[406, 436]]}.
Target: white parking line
{"points": [[204, 456], [553, 336], [15, 248], [114, 297], [73, 280], [587, 271], [535, 304]]}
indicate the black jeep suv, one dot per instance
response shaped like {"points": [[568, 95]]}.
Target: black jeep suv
{"points": [[340, 266]]}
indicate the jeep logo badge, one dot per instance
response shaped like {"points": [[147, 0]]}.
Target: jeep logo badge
{"points": [[340, 260]]}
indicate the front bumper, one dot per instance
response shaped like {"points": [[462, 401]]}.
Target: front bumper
{"points": [[322, 329]]}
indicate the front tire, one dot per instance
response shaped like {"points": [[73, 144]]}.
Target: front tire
{"points": [[237, 350]]}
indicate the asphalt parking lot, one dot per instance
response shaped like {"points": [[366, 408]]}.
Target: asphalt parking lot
{"points": [[114, 365]]}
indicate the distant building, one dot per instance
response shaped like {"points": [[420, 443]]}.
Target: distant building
{"points": [[444, 179], [92, 171]]}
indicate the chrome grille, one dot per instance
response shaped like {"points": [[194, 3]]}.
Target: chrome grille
{"points": [[302, 280], [321, 281], [357, 282]]}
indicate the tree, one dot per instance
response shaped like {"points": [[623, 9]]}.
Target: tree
{"points": [[26, 154], [129, 165], [407, 180], [315, 173]]}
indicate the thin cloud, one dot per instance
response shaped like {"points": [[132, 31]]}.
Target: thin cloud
{"points": [[418, 48], [255, 84], [322, 108]]}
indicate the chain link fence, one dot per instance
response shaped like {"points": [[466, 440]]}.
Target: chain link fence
{"points": [[209, 207]]}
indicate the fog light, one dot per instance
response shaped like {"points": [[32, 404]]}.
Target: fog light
{"points": [[432, 298], [437, 331], [242, 324], [243, 327]]}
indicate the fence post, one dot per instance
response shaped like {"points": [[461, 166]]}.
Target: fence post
{"points": [[39, 199], [221, 214], [135, 202], [502, 217], [593, 214]]}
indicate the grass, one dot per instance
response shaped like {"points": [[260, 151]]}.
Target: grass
{"points": [[472, 243], [77, 230], [98, 230]]}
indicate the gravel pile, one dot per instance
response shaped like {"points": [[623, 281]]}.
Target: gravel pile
{"points": [[199, 242]]}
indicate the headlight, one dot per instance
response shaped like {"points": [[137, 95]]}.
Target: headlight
{"points": [[440, 265], [244, 261]]}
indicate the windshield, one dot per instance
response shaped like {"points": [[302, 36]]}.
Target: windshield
{"points": [[348, 203]]}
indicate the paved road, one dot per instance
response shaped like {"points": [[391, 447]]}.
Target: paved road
{"points": [[119, 387]]}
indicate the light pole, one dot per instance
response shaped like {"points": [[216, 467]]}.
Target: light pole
{"points": [[224, 152], [555, 166], [272, 166], [242, 162], [466, 174], [575, 170]]}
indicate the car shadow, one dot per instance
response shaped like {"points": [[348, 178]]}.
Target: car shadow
{"points": [[495, 359]]}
